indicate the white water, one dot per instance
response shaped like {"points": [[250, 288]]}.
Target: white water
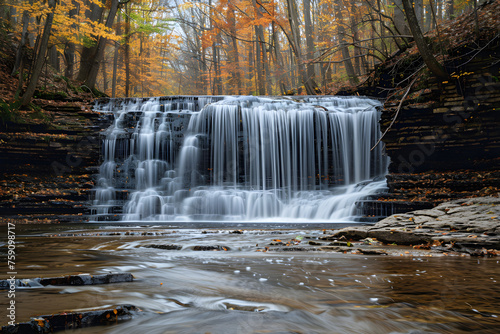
{"points": [[239, 159]]}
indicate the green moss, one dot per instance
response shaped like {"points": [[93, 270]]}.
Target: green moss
{"points": [[95, 92], [45, 95], [9, 112], [39, 114]]}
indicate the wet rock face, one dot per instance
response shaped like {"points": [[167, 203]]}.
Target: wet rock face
{"points": [[448, 125], [445, 142], [46, 169], [461, 224]]}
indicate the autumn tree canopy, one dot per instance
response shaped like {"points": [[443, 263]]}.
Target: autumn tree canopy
{"points": [[164, 47]]}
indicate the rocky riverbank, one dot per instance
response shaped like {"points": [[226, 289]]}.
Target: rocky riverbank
{"points": [[470, 226], [47, 167]]}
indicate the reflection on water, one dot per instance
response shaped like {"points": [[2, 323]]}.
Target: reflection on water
{"points": [[243, 291]]}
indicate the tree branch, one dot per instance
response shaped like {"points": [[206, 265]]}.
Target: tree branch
{"points": [[396, 115]]}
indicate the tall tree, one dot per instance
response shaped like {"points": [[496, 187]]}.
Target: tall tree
{"points": [[296, 46], [97, 57], [235, 82], [40, 56], [422, 46], [69, 48], [353, 79], [309, 32], [94, 15], [115, 59], [450, 9], [127, 50], [24, 39], [399, 19]]}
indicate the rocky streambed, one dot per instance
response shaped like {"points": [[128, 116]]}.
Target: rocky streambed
{"points": [[258, 279]]}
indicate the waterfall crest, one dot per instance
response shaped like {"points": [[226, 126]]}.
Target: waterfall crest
{"points": [[239, 159]]}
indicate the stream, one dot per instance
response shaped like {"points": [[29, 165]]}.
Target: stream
{"points": [[240, 290]]}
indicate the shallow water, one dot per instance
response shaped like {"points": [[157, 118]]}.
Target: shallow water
{"points": [[243, 291]]}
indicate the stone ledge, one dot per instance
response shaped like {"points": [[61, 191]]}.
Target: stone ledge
{"points": [[461, 224]]}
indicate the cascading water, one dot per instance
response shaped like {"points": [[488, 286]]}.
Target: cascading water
{"points": [[239, 159]]}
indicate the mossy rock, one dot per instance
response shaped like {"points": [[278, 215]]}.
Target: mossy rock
{"points": [[44, 95], [9, 112], [95, 92]]}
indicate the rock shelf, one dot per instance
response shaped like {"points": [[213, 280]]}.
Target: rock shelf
{"points": [[466, 225]]}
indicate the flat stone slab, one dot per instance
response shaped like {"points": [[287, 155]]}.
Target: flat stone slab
{"points": [[464, 224], [434, 213], [83, 279]]}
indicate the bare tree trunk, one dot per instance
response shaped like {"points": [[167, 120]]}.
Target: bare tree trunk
{"points": [[265, 60], [424, 50], [432, 8], [204, 68], [213, 71], [115, 59], [250, 72], [427, 18], [236, 73], [309, 40], [260, 53], [24, 39], [476, 19], [69, 49], [258, 62], [399, 19], [94, 14], [418, 5], [104, 79], [127, 51], [296, 46], [279, 60], [101, 46], [322, 38], [69, 57], [11, 15], [217, 85], [40, 59], [439, 5], [54, 58], [381, 26], [355, 39], [353, 79], [292, 66], [450, 10]]}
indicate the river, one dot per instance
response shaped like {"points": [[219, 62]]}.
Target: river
{"points": [[242, 290]]}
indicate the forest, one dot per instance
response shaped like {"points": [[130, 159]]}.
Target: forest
{"points": [[138, 48]]}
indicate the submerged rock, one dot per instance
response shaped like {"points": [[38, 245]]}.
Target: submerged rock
{"points": [[166, 247], [211, 248]]}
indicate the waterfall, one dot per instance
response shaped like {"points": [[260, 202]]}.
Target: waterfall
{"points": [[239, 159]]}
